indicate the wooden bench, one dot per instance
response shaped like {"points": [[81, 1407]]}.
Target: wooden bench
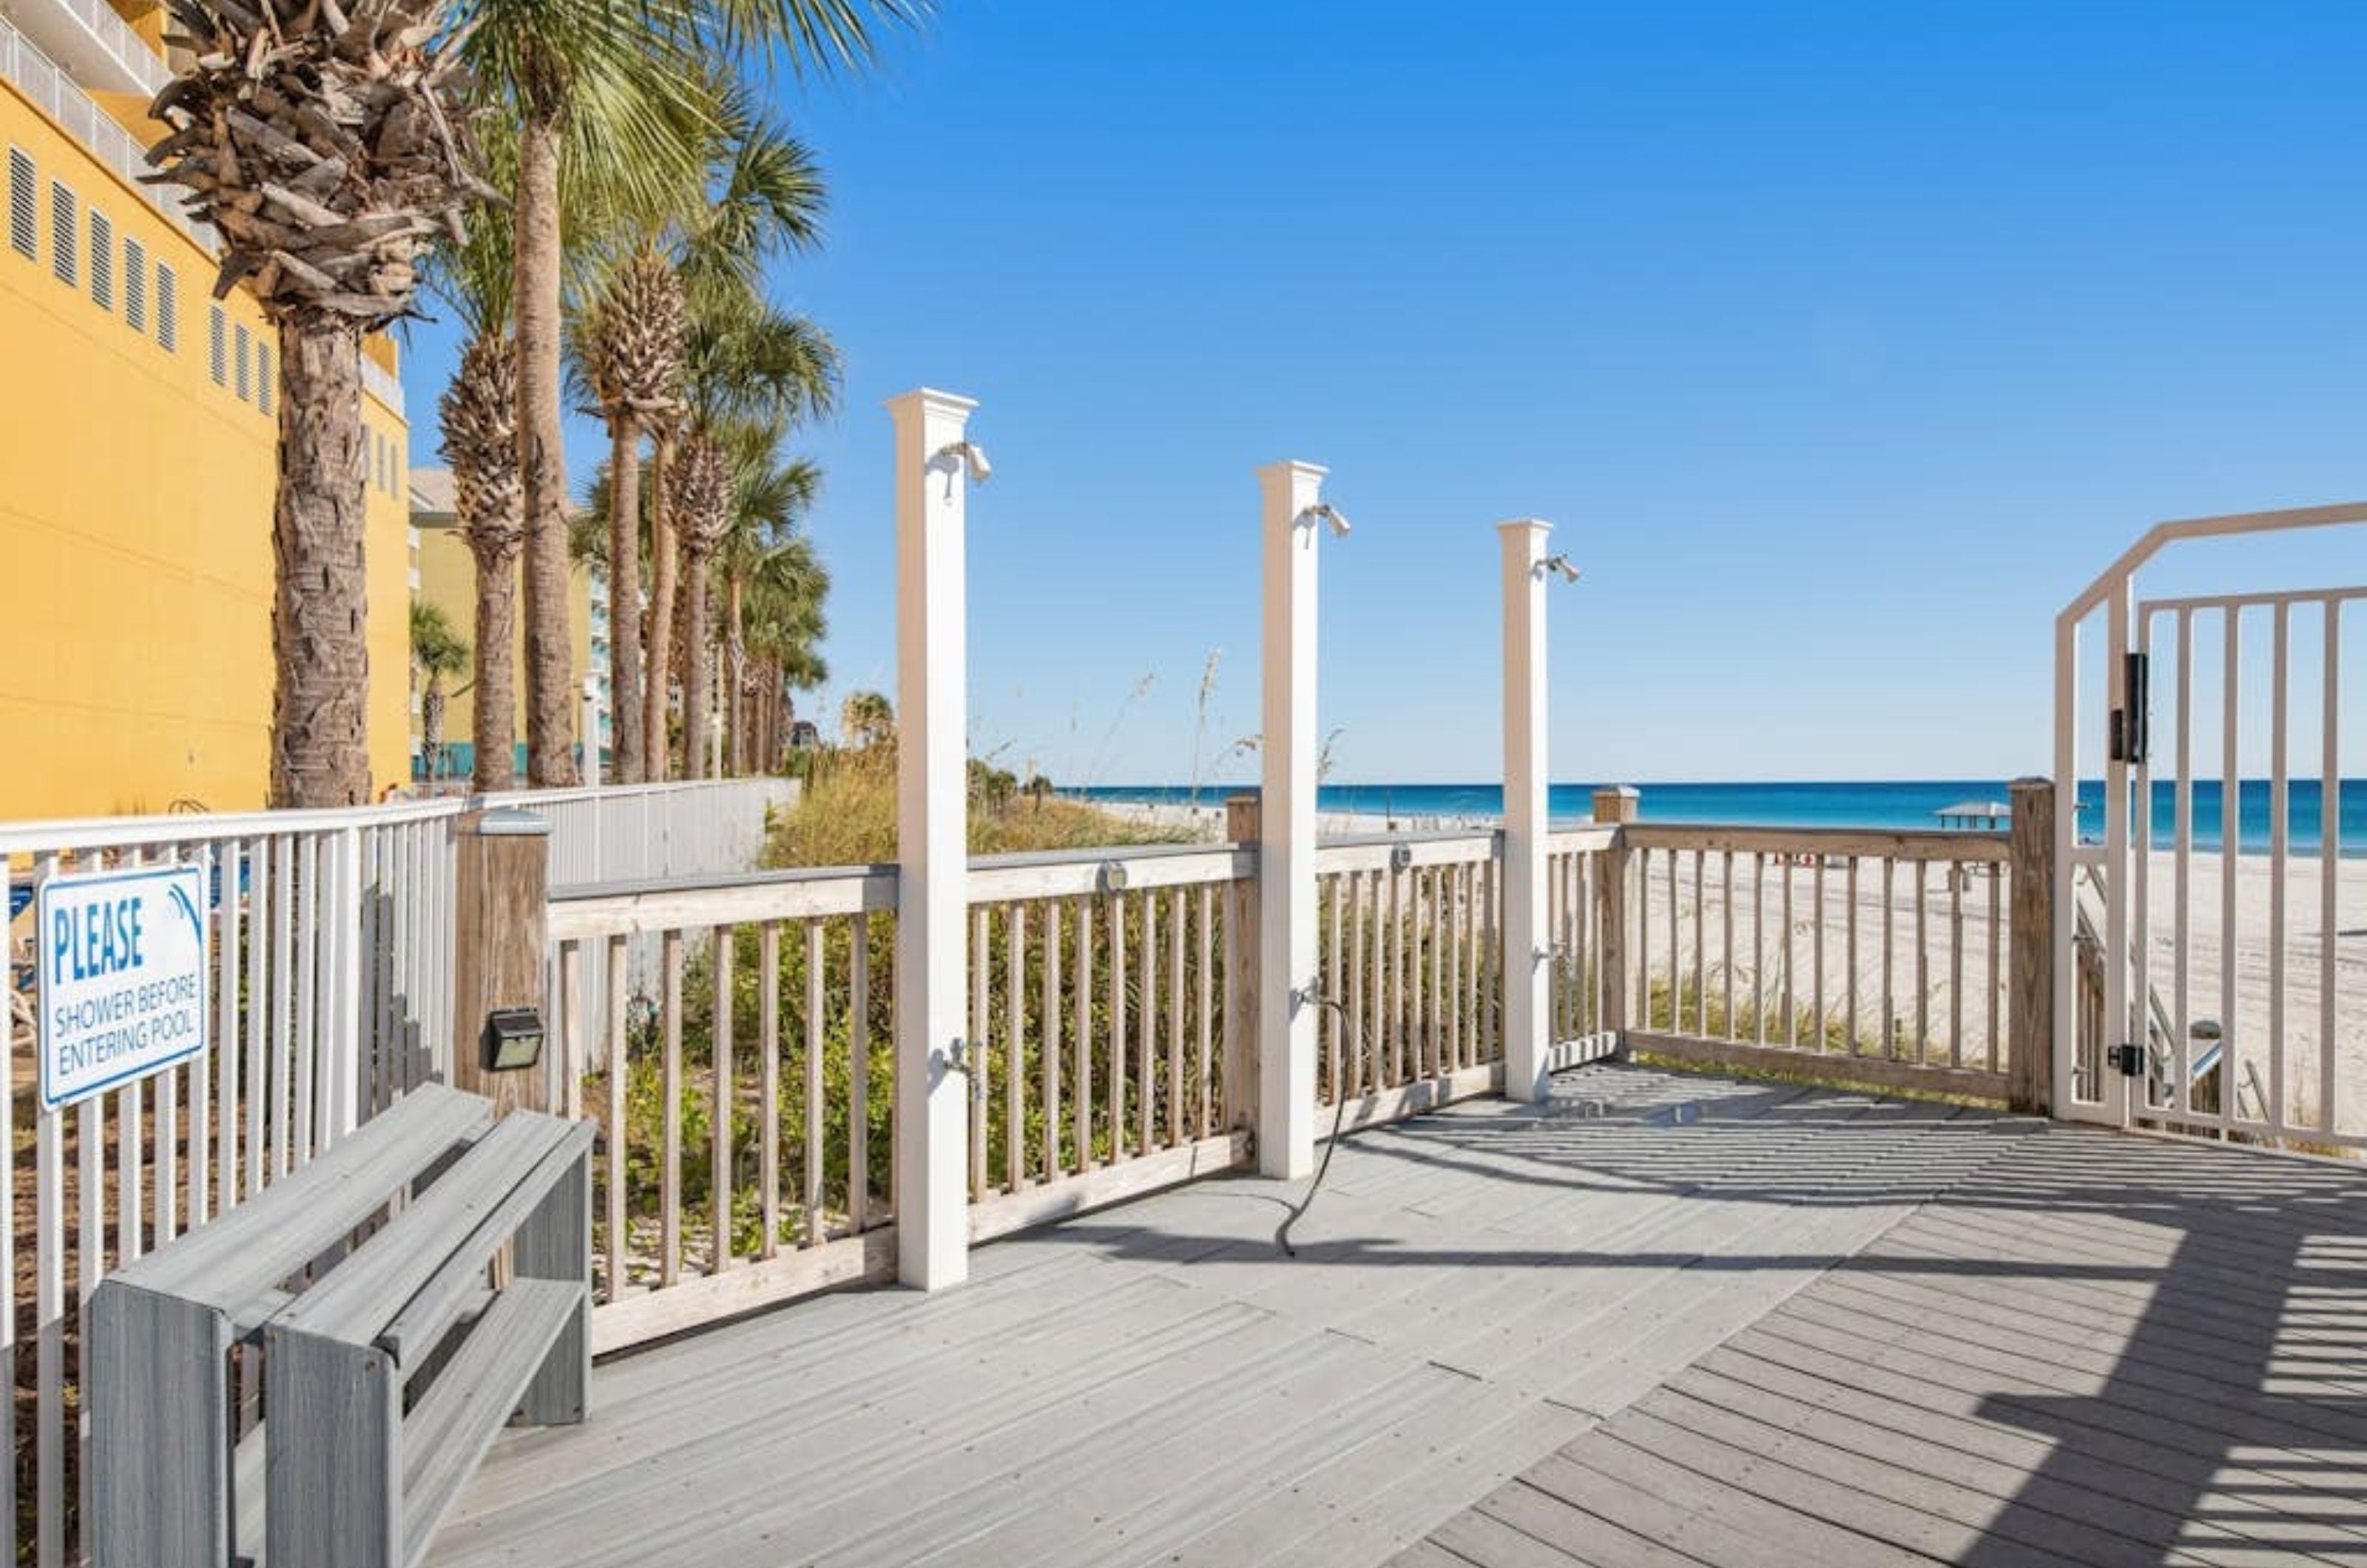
{"points": [[384, 1379]]}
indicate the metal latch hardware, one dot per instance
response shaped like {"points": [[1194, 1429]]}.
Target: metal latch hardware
{"points": [[2127, 1060]]}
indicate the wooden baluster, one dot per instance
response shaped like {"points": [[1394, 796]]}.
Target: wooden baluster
{"points": [[1052, 1041], [1332, 1086], [981, 978], [1956, 964], [670, 1085], [1084, 1077], [1014, 1049], [1701, 938], [1817, 894], [858, 1076], [1849, 945], [1176, 912], [1889, 955], [719, 1179], [1207, 1073], [619, 1074], [1726, 934], [1997, 985], [1922, 967], [1146, 1076], [816, 1152], [768, 1087]]}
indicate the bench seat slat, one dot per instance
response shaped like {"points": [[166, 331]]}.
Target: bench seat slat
{"points": [[432, 1309], [250, 1249], [357, 1298], [449, 1430]]}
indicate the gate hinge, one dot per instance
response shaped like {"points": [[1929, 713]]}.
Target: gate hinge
{"points": [[2127, 1060]]}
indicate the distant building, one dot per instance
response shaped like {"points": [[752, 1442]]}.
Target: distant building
{"points": [[138, 457], [444, 573]]}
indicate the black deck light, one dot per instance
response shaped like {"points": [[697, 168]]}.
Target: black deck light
{"points": [[511, 1040]]}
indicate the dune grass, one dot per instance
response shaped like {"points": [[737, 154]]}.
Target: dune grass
{"points": [[847, 816]]}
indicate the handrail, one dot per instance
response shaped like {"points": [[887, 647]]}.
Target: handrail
{"points": [[52, 91], [2227, 526], [1907, 844], [113, 832], [716, 902]]}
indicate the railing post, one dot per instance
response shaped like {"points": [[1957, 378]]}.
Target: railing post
{"points": [[1241, 954], [1286, 978], [2031, 1045], [932, 1134], [1614, 806], [1528, 962], [501, 891]]}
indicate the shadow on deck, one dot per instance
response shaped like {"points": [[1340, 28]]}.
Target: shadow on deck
{"points": [[1662, 1319]]}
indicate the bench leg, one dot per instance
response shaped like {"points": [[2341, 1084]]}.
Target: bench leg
{"points": [[159, 1398], [334, 1477], [555, 1243]]}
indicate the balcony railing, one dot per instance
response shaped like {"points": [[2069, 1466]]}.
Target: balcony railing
{"points": [[54, 93], [98, 43]]}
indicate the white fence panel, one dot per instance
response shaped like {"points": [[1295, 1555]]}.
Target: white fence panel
{"points": [[330, 969], [615, 833]]}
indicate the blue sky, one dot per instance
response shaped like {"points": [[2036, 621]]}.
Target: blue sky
{"points": [[1842, 343]]}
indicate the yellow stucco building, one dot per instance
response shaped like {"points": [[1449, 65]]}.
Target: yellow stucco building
{"points": [[138, 450], [445, 575]]}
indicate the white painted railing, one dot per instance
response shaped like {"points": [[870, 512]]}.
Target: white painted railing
{"points": [[114, 39], [330, 954], [620, 833], [54, 93], [2225, 993]]}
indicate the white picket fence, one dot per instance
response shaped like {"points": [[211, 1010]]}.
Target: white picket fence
{"points": [[643, 832], [330, 980]]}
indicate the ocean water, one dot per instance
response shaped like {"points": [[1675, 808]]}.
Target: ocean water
{"points": [[1904, 804]]}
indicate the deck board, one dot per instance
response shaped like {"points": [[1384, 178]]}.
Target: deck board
{"points": [[1660, 1320]]}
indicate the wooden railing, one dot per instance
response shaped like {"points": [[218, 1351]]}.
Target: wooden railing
{"points": [[1794, 947], [745, 1152], [1407, 949], [1107, 994], [1106, 991]]}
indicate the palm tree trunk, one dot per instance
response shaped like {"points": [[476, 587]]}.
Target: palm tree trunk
{"points": [[549, 662], [625, 595], [319, 719], [494, 728], [735, 665], [697, 673], [431, 725], [657, 749]]}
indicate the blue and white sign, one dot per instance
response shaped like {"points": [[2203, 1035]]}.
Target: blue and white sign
{"points": [[123, 978]]}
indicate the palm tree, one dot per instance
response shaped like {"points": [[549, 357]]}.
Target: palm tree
{"points": [[703, 506], [782, 627], [610, 85], [438, 653], [749, 368], [326, 147], [604, 96], [479, 411], [761, 554], [764, 196], [633, 359]]}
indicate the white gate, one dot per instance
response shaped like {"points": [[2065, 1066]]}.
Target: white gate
{"points": [[2211, 939]]}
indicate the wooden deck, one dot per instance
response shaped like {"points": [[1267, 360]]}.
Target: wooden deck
{"points": [[1663, 1320]]}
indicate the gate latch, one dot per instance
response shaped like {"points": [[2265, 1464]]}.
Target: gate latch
{"points": [[2127, 1060]]}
